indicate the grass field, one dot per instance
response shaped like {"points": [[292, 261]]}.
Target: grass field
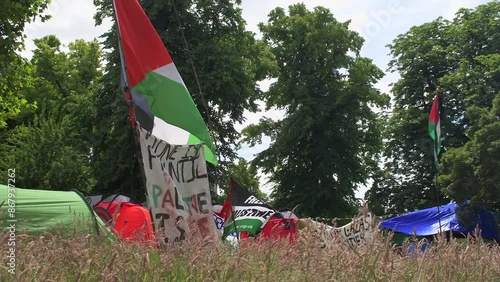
{"points": [[88, 258]]}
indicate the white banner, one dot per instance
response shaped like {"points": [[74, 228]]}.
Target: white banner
{"points": [[358, 232], [177, 188]]}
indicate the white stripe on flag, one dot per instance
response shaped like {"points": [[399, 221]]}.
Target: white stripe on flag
{"points": [[170, 71], [169, 133]]}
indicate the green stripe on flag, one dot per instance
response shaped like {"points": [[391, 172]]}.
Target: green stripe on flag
{"points": [[171, 102], [249, 225]]}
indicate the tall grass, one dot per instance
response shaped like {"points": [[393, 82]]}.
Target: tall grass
{"points": [[51, 257]]}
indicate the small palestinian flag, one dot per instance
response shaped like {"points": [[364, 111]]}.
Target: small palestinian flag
{"points": [[435, 128], [247, 213]]}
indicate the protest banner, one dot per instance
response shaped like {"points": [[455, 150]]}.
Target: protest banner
{"points": [[178, 189]]}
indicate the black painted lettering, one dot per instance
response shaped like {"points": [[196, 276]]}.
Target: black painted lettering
{"points": [[202, 202]]}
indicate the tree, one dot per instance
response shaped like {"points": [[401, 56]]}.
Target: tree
{"points": [[327, 142], [114, 160], [12, 67], [49, 146], [208, 37], [382, 201], [470, 172], [14, 77], [451, 57], [45, 154], [12, 25]]}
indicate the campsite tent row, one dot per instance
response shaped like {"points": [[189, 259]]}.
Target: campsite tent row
{"points": [[37, 211]]}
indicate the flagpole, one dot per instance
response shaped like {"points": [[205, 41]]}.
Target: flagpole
{"points": [[234, 223], [437, 190], [128, 96], [123, 67], [436, 164], [231, 208]]}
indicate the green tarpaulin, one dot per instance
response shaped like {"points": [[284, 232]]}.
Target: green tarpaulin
{"points": [[37, 211]]}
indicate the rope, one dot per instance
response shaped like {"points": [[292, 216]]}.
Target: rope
{"points": [[204, 101]]}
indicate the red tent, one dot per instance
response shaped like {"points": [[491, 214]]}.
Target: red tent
{"points": [[279, 227], [134, 223], [131, 221]]}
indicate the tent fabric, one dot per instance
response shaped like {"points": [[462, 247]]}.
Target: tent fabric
{"points": [[110, 207], [132, 221], [279, 228], [426, 222], [104, 215], [288, 213], [120, 197], [217, 208], [37, 211], [124, 198]]}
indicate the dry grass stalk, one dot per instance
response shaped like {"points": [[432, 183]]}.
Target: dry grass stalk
{"points": [[81, 257]]}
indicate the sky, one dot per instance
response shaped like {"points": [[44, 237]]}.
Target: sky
{"points": [[378, 21]]}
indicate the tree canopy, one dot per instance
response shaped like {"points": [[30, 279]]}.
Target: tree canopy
{"points": [[49, 146], [326, 144], [210, 46], [64, 120], [13, 70], [459, 59]]}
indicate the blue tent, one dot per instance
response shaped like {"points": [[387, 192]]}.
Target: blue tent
{"points": [[426, 222]]}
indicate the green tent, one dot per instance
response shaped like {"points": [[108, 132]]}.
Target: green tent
{"points": [[37, 211]]}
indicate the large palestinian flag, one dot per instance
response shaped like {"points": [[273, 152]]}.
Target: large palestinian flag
{"points": [[247, 213], [163, 105]]}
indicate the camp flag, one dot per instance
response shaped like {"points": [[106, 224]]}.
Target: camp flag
{"points": [[248, 213], [435, 127], [163, 103], [219, 222], [177, 189]]}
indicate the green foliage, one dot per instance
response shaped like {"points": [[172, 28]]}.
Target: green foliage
{"points": [[208, 36], [327, 143], [45, 156], [210, 46], [420, 58], [49, 146], [114, 161], [15, 76], [471, 172], [13, 19], [460, 59]]}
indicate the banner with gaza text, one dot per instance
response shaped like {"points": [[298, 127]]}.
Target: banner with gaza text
{"points": [[356, 233], [178, 189]]}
